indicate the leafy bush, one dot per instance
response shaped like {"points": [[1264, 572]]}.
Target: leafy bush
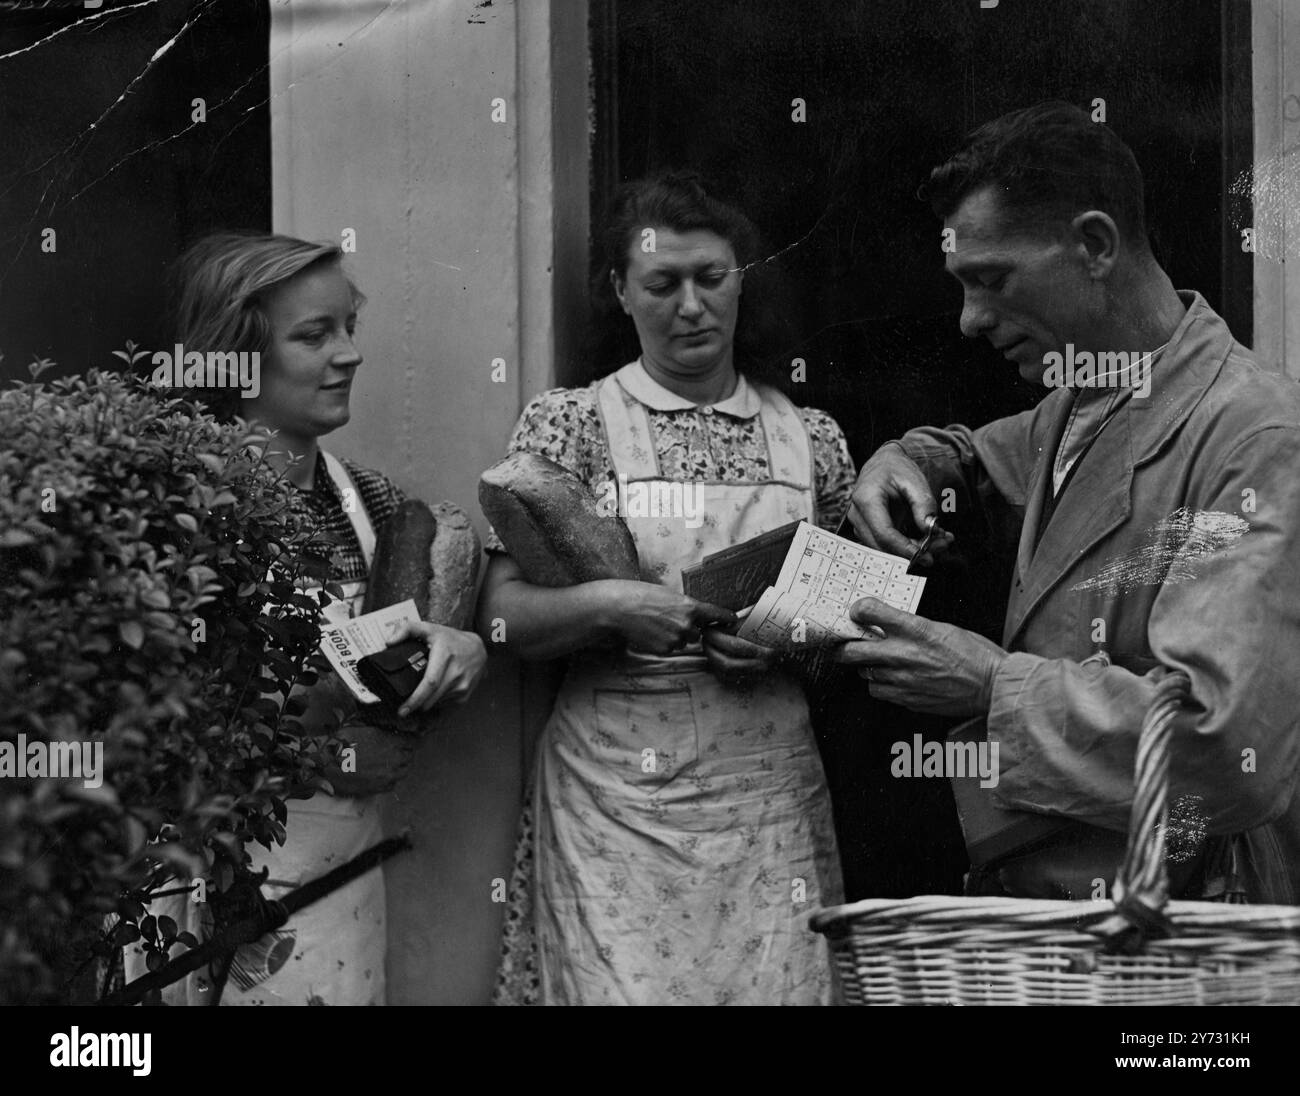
{"points": [[138, 609]]}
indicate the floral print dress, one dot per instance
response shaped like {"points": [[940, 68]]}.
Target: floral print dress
{"points": [[678, 832]]}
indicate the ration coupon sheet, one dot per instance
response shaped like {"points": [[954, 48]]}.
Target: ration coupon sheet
{"points": [[348, 643], [823, 575]]}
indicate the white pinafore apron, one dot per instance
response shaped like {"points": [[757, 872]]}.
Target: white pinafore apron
{"points": [[683, 829], [332, 952]]}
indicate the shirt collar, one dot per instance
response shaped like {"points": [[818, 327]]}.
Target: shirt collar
{"points": [[323, 485], [743, 403]]}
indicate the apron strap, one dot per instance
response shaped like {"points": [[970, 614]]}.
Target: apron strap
{"points": [[789, 448], [628, 432], [357, 514]]}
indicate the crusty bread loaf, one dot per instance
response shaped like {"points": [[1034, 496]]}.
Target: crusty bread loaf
{"points": [[552, 526], [401, 565], [432, 557], [453, 561], [428, 555]]}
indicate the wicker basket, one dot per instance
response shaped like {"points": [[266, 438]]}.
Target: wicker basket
{"points": [[1139, 949]]}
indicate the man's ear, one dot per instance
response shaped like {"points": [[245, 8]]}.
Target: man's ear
{"points": [[1099, 236], [620, 290]]}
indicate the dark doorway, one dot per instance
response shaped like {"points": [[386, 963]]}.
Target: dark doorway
{"points": [[888, 88], [102, 147]]}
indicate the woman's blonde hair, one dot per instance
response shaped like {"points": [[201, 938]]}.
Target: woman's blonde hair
{"points": [[222, 284]]}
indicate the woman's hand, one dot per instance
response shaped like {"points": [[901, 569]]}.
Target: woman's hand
{"points": [[735, 660], [653, 618], [379, 759], [540, 622], [456, 663]]}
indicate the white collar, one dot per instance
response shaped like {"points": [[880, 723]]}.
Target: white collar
{"points": [[743, 403]]}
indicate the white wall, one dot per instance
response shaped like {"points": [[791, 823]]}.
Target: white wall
{"points": [[382, 123]]}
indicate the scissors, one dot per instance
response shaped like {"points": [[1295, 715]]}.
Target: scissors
{"points": [[932, 531]]}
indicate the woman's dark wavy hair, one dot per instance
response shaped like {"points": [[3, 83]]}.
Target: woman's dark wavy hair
{"points": [[684, 202]]}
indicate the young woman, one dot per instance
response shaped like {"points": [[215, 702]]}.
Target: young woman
{"points": [[291, 301], [687, 877]]}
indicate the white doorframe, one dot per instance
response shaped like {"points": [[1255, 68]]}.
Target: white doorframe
{"points": [[1275, 45]]}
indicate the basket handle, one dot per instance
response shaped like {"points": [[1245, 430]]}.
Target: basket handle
{"points": [[1142, 882]]}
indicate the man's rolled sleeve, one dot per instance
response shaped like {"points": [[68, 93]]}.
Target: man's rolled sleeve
{"points": [[995, 459], [1008, 684], [1066, 735]]}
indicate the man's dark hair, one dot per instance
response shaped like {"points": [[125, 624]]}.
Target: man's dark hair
{"points": [[1049, 163]]}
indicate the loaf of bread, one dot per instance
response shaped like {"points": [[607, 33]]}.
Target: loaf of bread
{"points": [[552, 526], [432, 557], [401, 567], [454, 557]]}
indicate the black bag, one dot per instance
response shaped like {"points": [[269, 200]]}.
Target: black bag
{"points": [[394, 672]]}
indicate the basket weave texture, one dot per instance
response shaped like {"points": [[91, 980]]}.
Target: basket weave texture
{"points": [[1139, 949], [1013, 951]]}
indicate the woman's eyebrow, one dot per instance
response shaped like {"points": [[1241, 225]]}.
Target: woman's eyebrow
{"points": [[694, 268], [323, 317]]}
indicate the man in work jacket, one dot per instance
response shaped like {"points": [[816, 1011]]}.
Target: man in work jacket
{"points": [[1154, 505]]}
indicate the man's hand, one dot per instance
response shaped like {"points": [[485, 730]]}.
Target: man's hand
{"points": [[892, 476], [735, 660], [921, 664], [380, 760]]}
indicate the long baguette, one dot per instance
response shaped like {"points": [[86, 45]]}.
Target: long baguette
{"points": [[553, 528]]}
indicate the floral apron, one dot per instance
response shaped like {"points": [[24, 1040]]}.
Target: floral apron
{"points": [[683, 826], [332, 952]]}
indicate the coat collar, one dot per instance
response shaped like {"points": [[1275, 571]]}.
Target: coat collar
{"points": [[1195, 354], [743, 403], [1099, 498]]}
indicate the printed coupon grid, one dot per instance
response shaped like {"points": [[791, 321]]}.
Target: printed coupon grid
{"points": [[823, 575]]}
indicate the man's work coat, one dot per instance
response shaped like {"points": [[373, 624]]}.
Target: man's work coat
{"points": [[1177, 541]]}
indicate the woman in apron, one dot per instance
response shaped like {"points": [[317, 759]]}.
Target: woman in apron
{"points": [[678, 832], [290, 301]]}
